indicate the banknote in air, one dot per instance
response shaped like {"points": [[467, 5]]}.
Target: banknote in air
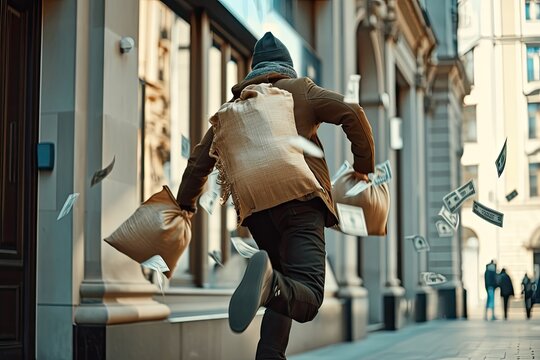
{"points": [[431, 278], [68, 205], [500, 163], [512, 195], [102, 174], [453, 200], [382, 174], [244, 249], [490, 215], [353, 89], [443, 229], [420, 244], [451, 219], [344, 168], [352, 220]]}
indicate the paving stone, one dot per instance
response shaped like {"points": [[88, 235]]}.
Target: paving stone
{"points": [[517, 339]]}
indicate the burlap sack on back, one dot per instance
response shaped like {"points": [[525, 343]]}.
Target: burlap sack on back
{"points": [[375, 201], [157, 227], [257, 165]]}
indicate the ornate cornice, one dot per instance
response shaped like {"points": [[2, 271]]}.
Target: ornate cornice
{"points": [[412, 24], [390, 22], [374, 13], [397, 18]]}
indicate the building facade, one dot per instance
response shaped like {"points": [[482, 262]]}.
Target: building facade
{"points": [[145, 106], [501, 107], [448, 84]]}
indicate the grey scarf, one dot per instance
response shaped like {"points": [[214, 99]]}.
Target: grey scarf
{"points": [[266, 67]]}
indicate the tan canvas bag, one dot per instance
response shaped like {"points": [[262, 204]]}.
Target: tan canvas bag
{"points": [[257, 166], [157, 227], [374, 201]]}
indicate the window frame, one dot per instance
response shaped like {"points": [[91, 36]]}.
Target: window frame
{"points": [[228, 53], [536, 135], [206, 28], [205, 31], [530, 163], [527, 70], [527, 6], [158, 78]]}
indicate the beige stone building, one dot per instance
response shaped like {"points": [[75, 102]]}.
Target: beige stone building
{"points": [[501, 40]]}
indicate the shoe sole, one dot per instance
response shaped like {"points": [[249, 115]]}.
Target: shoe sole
{"points": [[245, 301]]}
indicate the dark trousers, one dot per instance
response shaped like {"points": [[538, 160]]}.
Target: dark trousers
{"points": [[293, 235], [505, 304], [528, 306]]}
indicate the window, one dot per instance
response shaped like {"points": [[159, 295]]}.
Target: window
{"points": [[534, 179], [533, 62], [164, 73], [300, 14], [164, 70], [171, 111], [532, 10], [223, 69], [534, 120], [285, 9], [470, 172], [226, 67], [214, 102], [469, 123], [465, 13]]}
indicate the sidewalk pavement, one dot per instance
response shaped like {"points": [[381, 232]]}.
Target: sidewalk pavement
{"points": [[516, 338]]}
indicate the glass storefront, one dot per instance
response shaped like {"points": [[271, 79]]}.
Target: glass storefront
{"points": [[167, 81]]}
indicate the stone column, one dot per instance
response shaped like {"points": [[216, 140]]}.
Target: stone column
{"points": [[374, 100], [443, 126], [59, 252], [373, 250], [426, 297], [343, 249], [113, 289], [393, 293]]}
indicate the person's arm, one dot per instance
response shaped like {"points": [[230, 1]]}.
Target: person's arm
{"points": [[329, 107], [200, 164]]}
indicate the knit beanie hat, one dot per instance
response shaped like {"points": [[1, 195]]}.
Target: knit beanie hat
{"points": [[270, 48]]}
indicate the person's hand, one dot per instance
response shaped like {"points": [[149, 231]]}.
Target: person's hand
{"points": [[360, 176], [187, 214], [187, 211]]}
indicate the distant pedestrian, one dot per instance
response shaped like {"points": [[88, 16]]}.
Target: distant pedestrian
{"points": [[490, 280], [527, 291], [536, 292], [507, 290]]}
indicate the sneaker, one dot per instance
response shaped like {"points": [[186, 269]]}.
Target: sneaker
{"points": [[253, 292]]}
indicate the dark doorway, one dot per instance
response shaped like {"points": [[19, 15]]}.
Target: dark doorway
{"points": [[536, 260], [20, 29]]}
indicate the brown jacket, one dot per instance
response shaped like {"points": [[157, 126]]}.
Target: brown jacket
{"points": [[313, 105]]}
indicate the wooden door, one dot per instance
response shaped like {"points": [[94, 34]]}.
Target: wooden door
{"points": [[20, 27]]}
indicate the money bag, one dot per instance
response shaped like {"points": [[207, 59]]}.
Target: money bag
{"points": [[374, 200]]}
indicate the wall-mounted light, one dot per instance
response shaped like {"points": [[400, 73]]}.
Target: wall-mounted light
{"points": [[396, 141], [126, 44], [385, 100]]}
